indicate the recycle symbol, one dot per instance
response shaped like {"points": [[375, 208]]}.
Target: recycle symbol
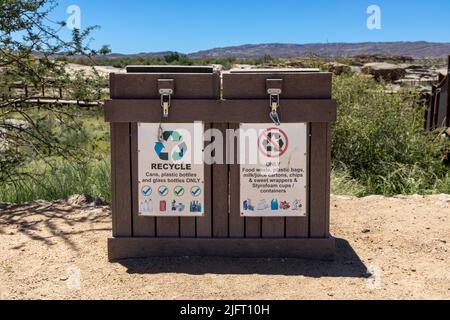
{"points": [[179, 150], [273, 142]]}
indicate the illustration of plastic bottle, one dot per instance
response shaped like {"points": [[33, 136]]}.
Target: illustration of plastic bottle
{"points": [[274, 205], [150, 206]]}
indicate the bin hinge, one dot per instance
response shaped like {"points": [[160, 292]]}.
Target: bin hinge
{"points": [[274, 90]]}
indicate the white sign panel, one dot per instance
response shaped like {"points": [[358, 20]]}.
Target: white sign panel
{"points": [[170, 183], [275, 184]]}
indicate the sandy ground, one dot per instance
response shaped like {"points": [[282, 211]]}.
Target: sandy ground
{"points": [[404, 243], [102, 70]]}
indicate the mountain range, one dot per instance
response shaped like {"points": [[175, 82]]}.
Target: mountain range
{"points": [[419, 49]]}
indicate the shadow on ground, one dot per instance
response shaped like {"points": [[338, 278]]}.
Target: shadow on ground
{"points": [[48, 222], [346, 264]]}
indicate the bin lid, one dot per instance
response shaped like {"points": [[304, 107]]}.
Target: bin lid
{"points": [[279, 70], [169, 69]]}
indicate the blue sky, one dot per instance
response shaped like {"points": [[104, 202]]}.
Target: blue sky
{"points": [[186, 26]]}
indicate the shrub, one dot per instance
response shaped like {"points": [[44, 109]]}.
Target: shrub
{"points": [[379, 141], [56, 179]]}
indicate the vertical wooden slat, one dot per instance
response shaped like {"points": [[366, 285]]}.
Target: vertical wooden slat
{"points": [[204, 224], [427, 119], [237, 222], [437, 100], [168, 227], [142, 226], [253, 227], [299, 227], [447, 110], [319, 180], [441, 102], [273, 227], [187, 227], [220, 189], [112, 137], [328, 180], [121, 180], [447, 122], [431, 115]]}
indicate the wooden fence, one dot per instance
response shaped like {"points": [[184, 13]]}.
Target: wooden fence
{"points": [[437, 117], [23, 93]]}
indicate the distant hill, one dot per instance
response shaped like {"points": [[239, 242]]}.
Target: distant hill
{"points": [[141, 54], [411, 49], [419, 49]]}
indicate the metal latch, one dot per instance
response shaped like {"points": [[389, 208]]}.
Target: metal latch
{"points": [[274, 96], [166, 96], [274, 89]]}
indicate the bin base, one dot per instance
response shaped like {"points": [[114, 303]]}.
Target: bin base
{"points": [[127, 248]]}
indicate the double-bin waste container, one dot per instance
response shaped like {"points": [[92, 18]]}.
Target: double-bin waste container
{"points": [[164, 203]]}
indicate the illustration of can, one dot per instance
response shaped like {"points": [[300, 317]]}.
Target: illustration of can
{"points": [[162, 206]]}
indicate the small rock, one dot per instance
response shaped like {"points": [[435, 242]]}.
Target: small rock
{"points": [[4, 205], [99, 202], [385, 71], [339, 68], [79, 200], [366, 231], [447, 132]]}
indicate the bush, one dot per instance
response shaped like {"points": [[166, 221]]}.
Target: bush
{"points": [[379, 141], [88, 87], [82, 166], [57, 179]]}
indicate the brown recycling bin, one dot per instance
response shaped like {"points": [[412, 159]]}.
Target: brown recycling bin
{"points": [[194, 94]]}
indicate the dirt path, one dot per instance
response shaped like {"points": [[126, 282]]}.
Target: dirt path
{"points": [[45, 248]]}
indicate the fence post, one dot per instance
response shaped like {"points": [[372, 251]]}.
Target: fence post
{"points": [[447, 121]]}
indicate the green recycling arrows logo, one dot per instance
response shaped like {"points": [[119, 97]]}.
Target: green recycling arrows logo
{"points": [[178, 152]]}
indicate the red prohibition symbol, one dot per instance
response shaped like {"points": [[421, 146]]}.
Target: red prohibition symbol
{"points": [[273, 142]]}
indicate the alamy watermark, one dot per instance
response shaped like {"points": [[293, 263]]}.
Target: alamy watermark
{"points": [[74, 20], [249, 146], [374, 280], [73, 281], [374, 19]]}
